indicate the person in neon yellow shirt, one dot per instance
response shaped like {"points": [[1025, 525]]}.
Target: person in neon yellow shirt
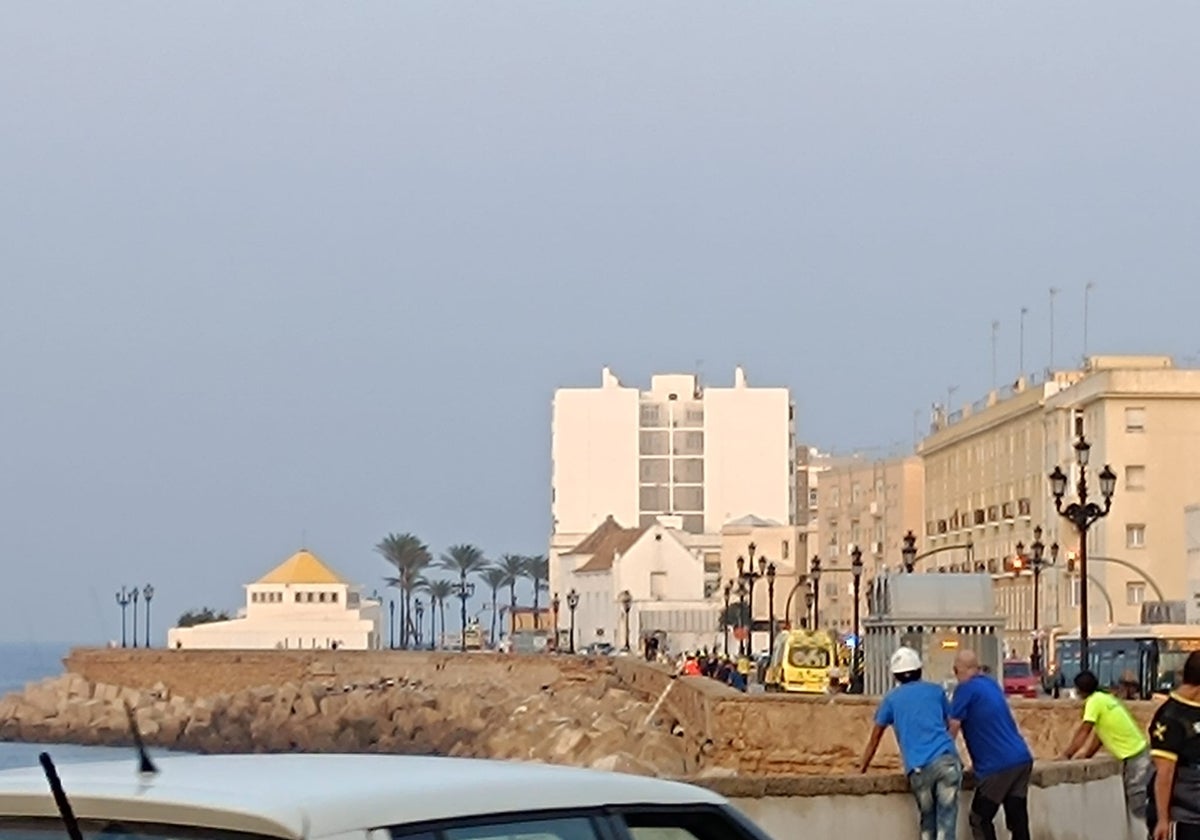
{"points": [[1114, 728]]}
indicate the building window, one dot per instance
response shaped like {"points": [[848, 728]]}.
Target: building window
{"points": [[1135, 593], [333, 596], [812, 497], [784, 550], [297, 597], [1075, 591], [1135, 477], [1135, 536], [855, 493], [1135, 419]]}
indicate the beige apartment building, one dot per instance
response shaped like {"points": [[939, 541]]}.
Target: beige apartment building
{"points": [[986, 489], [859, 501], [693, 456]]}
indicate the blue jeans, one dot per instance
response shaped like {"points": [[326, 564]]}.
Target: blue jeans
{"points": [[936, 787]]}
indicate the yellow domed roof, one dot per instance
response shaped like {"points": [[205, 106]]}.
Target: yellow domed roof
{"points": [[301, 567]]}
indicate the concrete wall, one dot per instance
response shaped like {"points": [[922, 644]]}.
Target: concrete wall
{"points": [[1066, 802]]}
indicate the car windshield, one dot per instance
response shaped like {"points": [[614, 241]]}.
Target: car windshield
{"points": [[22, 828], [809, 657], [1017, 669]]}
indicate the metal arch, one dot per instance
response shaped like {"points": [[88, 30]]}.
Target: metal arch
{"points": [[1107, 598], [1153, 584], [969, 546]]}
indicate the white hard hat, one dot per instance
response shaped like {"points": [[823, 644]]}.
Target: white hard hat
{"points": [[905, 659]]}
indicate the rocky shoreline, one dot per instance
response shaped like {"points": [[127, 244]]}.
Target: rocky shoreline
{"points": [[565, 722]]}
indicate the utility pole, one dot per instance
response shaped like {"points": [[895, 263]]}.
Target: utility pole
{"points": [[1053, 293]]}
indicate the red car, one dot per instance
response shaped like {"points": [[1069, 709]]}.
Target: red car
{"points": [[1020, 680]]}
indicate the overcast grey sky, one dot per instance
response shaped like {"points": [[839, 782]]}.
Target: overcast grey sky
{"points": [[273, 268]]}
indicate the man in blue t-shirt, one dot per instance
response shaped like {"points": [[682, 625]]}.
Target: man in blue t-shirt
{"points": [[919, 713], [1001, 757]]}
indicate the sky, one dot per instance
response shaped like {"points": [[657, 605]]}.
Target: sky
{"points": [[280, 273]]}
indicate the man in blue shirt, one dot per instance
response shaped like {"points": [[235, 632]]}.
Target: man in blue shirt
{"points": [[1001, 757], [919, 713]]}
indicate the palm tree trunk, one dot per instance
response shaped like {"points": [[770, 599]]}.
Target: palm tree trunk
{"points": [[407, 617], [492, 637], [537, 615], [432, 623], [512, 604]]}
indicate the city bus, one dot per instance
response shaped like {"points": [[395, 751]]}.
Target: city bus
{"points": [[1153, 653]]}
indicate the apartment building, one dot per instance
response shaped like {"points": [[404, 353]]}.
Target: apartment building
{"points": [[698, 455], [986, 488], [865, 502]]}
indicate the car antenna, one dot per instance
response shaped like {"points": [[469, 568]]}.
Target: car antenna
{"points": [[60, 797], [145, 765]]}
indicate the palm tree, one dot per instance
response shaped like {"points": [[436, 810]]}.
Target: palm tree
{"points": [[411, 558], [514, 569], [464, 560], [439, 590], [495, 577], [537, 569]]}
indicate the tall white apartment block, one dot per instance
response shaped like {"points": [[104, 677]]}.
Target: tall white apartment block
{"points": [[693, 456]]}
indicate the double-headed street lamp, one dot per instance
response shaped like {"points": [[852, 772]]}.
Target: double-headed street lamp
{"points": [[856, 569], [750, 576], [727, 590], [626, 600], [123, 601], [572, 604], [134, 595], [771, 604], [148, 594], [1083, 514], [1037, 562], [814, 572]]}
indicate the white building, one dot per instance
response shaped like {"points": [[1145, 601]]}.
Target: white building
{"points": [[665, 580], [300, 604], [703, 456]]}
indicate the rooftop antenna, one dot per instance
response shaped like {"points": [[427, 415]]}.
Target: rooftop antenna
{"points": [[145, 765], [1087, 293], [995, 336], [1021, 368], [1053, 294]]}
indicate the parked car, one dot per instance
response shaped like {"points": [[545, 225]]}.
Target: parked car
{"points": [[1019, 679], [371, 797]]}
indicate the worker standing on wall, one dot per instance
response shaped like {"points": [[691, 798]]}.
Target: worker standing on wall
{"points": [[920, 715]]}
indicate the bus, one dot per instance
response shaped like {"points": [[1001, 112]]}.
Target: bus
{"points": [[1153, 653], [803, 661]]}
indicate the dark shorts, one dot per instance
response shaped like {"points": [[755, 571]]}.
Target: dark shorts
{"points": [[1013, 782]]}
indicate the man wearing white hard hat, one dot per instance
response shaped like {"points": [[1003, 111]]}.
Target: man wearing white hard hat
{"points": [[920, 714]]}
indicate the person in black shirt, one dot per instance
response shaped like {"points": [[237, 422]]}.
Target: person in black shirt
{"points": [[1175, 748]]}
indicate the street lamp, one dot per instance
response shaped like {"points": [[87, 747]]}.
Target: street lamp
{"points": [[463, 590], [909, 551], [420, 609], [148, 594], [1083, 514], [123, 601], [392, 625], [626, 600], [771, 603], [134, 596], [572, 603], [741, 593], [751, 576], [856, 568], [1038, 562], [814, 572], [808, 605], [728, 590], [555, 603]]}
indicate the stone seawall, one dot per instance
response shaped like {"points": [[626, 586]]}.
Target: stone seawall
{"points": [[570, 709]]}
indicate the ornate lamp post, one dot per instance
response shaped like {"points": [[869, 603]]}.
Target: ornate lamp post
{"points": [[808, 605], [727, 590], [626, 600], [572, 604], [420, 609], [1083, 514], [741, 593], [909, 551], [123, 601], [464, 589], [814, 572], [1037, 562], [750, 576], [134, 596], [771, 604], [148, 594], [856, 568]]}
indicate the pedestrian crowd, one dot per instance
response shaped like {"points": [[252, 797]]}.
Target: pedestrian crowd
{"points": [[724, 669], [1161, 766]]}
